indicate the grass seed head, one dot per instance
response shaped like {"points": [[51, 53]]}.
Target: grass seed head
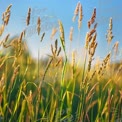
{"points": [[20, 38], [61, 29], [94, 38], [56, 45], [54, 30], [80, 16], [76, 11], [92, 76], [110, 24], [93, 16], [6, 15], [71, 34], [8, 8], [92, 31], [92, 49], [104, 64], [87, 40], [89, 63], [38, 21], [92, 19], [42, 36], [109, 35], [28, 17], [1, 29], [38, 25], [89, 24]]}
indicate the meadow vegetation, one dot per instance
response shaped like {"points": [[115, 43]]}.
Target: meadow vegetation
{"points": [[56, 89]]}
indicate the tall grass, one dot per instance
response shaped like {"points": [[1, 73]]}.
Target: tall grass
{"points": [[54, 90]]}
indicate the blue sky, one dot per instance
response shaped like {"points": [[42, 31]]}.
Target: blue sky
{"points": [[53, 10]]}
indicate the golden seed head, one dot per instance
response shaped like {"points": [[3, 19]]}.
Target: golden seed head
{"points": [[80, 16], [76, 11], [92, 31], [92, 48], [38, 25], [110, 24], [38, 21], [109, 35], [80, 13], [54, 30], [92, 19], [94, 14], [8, 8], [77, 8], [1, 29], [6, 15], [71, 34], [89, 24], [89, 63], [92, 76], [105, 61], [94, 38], [61, 29], [20, 38]]}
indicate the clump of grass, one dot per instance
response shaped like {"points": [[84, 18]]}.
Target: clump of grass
{"points": [[54, 89]]}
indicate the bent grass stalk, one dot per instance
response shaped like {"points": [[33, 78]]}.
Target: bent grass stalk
{"points": [[62, 39]]}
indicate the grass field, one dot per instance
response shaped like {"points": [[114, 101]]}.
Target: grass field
{"points": [[56, 89]]}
